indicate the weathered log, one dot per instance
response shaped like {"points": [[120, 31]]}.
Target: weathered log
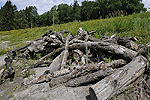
{"points": [[115, 83], [47, 33], [118, 50], [61, 72], [89, 77], [77, 54], [75, 40], [128, 42], [76, 71], [56, 64], [52, 53], [145, 49], [66, 53], [40, 63]]}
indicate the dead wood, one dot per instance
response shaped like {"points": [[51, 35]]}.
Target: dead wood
{"points": [[114, 83], [90, 77], [66, 53], [47, 62], [118, 50], [76, 71], [56, 64], [52, 53], [145, 49], [128, 42]]}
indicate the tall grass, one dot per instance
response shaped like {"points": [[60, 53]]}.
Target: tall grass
{"points": [[136, 25]]}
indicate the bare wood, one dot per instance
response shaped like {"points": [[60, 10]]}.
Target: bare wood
{"points": [[144, 50], [40, 63], [52, 53], [76, 71], [75, 40], [61, 72], [127, 42], [115, 83], [98, 75], [66, 53], [56, 64], [118, 50]]}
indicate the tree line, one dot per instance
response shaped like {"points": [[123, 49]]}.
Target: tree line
{"points": [[11, 18]]}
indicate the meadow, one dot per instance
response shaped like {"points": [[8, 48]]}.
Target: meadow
{"points": [[136, 25]]}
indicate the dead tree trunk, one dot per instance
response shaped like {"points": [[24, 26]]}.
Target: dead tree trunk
{"points": [[118, 50], [90, 77], [116, 82]]}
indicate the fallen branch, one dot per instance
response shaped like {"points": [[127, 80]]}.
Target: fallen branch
{"points": [[115, 83]]}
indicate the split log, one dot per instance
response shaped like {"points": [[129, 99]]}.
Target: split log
{"points": [[66, 53], [118, 50], [115, 83], [56, 64], [76, 71], [90, 77]]}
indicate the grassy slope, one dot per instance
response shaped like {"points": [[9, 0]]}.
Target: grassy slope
{"points": [[137, 25]]}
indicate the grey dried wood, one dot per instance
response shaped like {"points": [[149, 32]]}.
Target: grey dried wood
{"points": [[115, 83]]}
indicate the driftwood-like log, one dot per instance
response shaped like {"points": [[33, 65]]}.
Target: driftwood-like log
{"points": [[116, 82], [90, 77], [118, 50], [40, 63], [52, 53], [56, 64], [66, 53], [128, 42], [76, 71]]}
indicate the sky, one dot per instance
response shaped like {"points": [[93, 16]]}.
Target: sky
{"points": [[46, 5]]}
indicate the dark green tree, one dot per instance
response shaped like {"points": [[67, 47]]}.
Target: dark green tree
{"points": [[76, 13], [64, 13], [54, 13], [89, 10], [31, 14], [8, 16]]}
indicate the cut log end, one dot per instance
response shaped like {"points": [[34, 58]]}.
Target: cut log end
{"points": [[92, 94]]}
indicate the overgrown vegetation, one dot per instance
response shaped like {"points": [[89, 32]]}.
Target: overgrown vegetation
{"points": [[136, 25], [11, 18]]}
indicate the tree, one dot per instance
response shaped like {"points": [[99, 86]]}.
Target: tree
{"points": [[64, 13], [31, 13], [89, 10], [8, 16], [55, 15], [76, 13]]}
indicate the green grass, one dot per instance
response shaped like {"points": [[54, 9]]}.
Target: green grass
{"points": [[136, 25]]}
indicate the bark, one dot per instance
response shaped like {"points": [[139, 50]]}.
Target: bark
{"points": [[128, 42], [40, 63], [66, 53], [98, 75], [115, 83], [76, 71], [145, 50], [52, 53], [118, 50]]}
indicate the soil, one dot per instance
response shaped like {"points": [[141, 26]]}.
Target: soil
{"points": [[15, 90]]}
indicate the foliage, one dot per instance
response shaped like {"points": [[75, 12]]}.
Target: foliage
{"points": [[7, 13], [11, 18], [136, 25]]}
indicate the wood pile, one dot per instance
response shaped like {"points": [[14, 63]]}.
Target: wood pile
{"points": [[84, 59]]}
